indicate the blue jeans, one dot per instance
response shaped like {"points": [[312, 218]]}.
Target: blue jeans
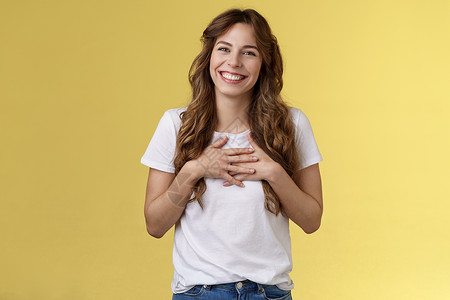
{"points": [[243, 290]]}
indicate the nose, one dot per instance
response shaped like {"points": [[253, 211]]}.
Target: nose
{"points": [[234, 60]]}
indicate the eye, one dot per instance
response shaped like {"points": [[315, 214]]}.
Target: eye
{"points": [[249, 53], [224, 49]]}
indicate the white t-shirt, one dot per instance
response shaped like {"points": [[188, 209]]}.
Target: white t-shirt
{"points": [[233, 237]]}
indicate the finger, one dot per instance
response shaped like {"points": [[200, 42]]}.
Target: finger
{"points": [[241, 158], [220, 142], [232, 173], [231, 180], [237, 151], [240, 178], [238, 170]]}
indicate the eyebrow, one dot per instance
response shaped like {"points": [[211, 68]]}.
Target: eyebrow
{"points": [[228, 44]]}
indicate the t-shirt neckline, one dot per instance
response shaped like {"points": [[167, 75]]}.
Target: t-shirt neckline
{"points": [[228, 133]]}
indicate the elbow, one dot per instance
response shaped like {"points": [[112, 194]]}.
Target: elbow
{"points": [[153, 227], [314, 223], [154, 232], [311, 228]]}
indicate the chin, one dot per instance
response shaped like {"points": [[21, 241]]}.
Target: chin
{"points": [[233, 92]]}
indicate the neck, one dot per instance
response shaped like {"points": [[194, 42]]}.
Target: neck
{"points": [[232, 113]]}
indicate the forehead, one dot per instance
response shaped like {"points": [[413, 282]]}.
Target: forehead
{"points": [[238, 34]]}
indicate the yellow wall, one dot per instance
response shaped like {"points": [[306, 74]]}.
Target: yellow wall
{"points": [[84, 83]]}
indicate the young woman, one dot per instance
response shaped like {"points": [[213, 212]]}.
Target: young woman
{"points": [[231, 168]]}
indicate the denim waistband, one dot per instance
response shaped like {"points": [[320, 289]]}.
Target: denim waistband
{"points": [[244, 285]]}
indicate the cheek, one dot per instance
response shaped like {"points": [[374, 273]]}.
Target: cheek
{"points": [[256, 69], [210, 69], [214, 61], [211, 63], [212, 66]]}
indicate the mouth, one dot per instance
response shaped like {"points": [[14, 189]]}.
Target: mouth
{"points": [[232, 77]]}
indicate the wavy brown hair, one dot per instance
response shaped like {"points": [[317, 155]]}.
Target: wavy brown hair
{"points": [[269, 117]]}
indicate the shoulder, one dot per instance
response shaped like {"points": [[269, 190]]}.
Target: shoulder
{"points": [[298, 116], [174, 113], [173, 116]]}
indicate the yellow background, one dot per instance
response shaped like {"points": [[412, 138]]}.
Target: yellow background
{"points": [[83, 85]]}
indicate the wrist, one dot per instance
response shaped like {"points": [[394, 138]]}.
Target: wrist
{"points": [[192, 168], [275, 173]]}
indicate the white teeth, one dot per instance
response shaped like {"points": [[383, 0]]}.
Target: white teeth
{"points": [[232, 77]]}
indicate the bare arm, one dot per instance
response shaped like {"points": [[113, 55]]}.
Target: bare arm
{"points": [[166, 198], [300, 197], [167, 194]]}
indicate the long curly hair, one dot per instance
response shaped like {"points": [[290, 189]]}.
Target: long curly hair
{"points": [[269, 117]]}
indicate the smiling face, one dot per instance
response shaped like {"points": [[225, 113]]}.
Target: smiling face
{"points": [[235, 62]]}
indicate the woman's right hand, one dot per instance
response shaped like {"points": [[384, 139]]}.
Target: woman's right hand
{"points": [[215, 162]]}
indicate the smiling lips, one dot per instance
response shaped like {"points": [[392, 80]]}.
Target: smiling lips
{"points": [[232, 77]]}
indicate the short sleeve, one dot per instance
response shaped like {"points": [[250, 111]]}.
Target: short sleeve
{"points": [[307, 148], [161, 149]]}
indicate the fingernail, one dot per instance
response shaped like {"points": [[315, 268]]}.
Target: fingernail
{"points": [[242, 185], [252, 170], [250, 149]]}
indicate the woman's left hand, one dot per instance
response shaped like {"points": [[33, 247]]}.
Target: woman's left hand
{"points": [[265, 167]]}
